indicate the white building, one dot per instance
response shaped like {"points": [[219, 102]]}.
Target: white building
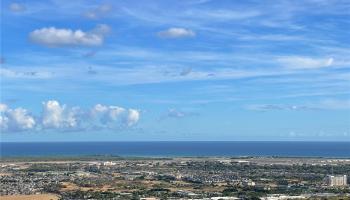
{"points": [[248, 182], [109, 163], [336, 180]]}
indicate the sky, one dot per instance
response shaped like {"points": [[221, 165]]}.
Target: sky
{"points": [[169, 70]]}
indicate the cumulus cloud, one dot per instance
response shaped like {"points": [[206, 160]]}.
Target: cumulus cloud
{"points": [[60, 117], [176, 33], [17, 7], [298, 62], [3, 107], [133, 117], [18, 119], [55, 37], [107, 114], [3, 118]]}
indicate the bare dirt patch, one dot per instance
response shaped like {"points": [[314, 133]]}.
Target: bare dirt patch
{"points": [[30, 197]]}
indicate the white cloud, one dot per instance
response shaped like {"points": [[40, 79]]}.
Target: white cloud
{"points": [[54, 37], [107, 114], [17, 7], [3, 122], [133, 117], [98, 108], [3, 107], [59, 116], [14, 120], [299, 62], [115, 112], [3, 118], [20, 119], [176, 33], [113, 115]]}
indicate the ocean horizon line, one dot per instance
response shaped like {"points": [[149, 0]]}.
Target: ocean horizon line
{"points": [[185, 141]]}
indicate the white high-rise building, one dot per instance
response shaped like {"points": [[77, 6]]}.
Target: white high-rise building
{"points": [[337, 180]]}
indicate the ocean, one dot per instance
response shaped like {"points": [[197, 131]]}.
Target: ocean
{"points": [[177, 149]]}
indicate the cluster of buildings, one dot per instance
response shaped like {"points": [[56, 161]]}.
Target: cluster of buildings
{"points": [[25, 184], [186, 178]]}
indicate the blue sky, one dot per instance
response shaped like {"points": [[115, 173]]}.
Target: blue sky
{"points": [[175, 70]]}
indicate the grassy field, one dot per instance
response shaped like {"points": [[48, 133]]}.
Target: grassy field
{"points": [[30, 197]]}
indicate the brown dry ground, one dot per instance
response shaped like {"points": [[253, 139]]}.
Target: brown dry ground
{"points": [[5, 174], [122, 186], [30, 197]]}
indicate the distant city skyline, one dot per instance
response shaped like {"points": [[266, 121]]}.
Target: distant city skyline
{"points": [[196, 70]]}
